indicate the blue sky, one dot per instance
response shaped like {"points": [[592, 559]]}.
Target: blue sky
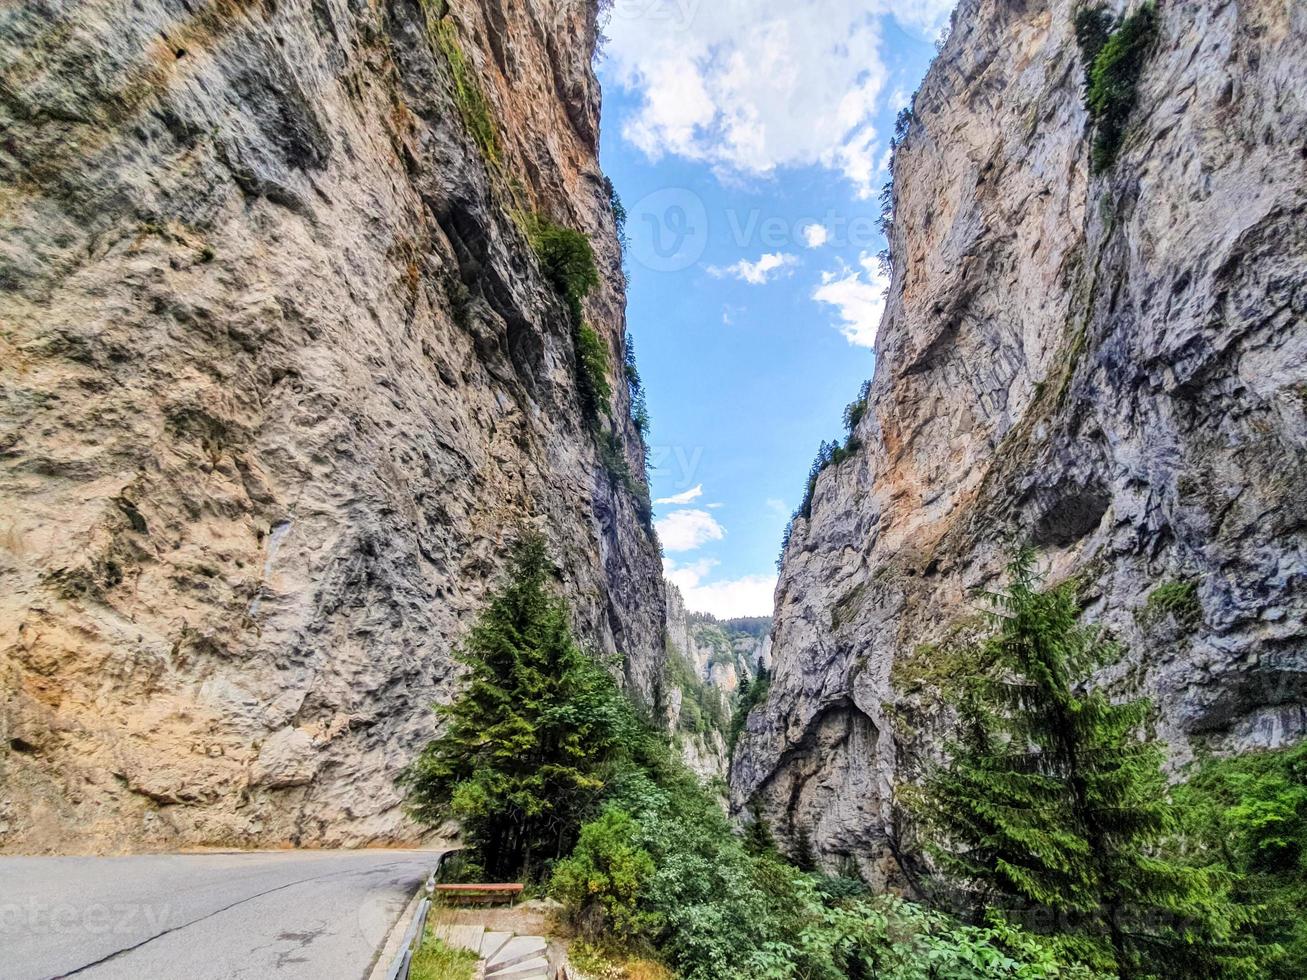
{"points": [[747, 139]]}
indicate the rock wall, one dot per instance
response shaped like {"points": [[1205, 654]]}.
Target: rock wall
{"points": [[1113, 367], [282, 379], [722, 655]]}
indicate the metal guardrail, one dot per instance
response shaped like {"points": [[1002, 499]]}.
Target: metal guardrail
{"points": [[403, 960]]}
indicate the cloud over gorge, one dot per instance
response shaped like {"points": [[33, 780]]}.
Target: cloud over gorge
{"points": [[749, 86]]}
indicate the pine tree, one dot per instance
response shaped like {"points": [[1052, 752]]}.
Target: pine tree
{"points": [[1053, 801], [527, 748]]}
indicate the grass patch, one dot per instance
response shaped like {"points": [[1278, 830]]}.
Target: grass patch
{"points": [[1177, 599], [473, 105], [1113, 74], [599, 963], [434, 960]]}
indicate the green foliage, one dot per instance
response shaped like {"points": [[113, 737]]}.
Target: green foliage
{"points": [[436, 961], [635, 390], [1052, 800], [702, 709], [719, 906], [855, 410], [472, 103], [529, 745], [1177, 599], [1093, 27], [592, 371], [619, 211], [1114, 74], [613, 455], [758, 838], [601, 883], [567, 260], [752, 694], [1249, 814], [828, 454]]}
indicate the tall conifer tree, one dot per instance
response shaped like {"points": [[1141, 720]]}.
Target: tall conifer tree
{"points": [[1054, 801], [527, 748]]}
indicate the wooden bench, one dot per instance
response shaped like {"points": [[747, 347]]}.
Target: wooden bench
{"points": [[480, 894]]}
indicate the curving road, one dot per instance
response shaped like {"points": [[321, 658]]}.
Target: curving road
{"points": [[316, 915]]}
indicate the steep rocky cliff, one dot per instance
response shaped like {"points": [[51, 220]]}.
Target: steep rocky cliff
{"points": [[282, 378], [708, 661], [1110, 365]]}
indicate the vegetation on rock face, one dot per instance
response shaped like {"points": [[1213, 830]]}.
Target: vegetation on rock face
{"points": [[752, 694], [635, 390], [472, 103], [568, 261], [1177, 599], [702, 708], [1052, 803], [1114, 62], [592, 371], [829, 454]]}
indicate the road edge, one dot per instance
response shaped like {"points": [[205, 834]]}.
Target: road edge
{"points": [[386, 954]]}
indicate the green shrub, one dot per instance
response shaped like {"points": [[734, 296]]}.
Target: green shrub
{"points": [[1177, 599], [601, 883], [472, 103], [592, 371], [1114, 80], [1093, 28], [567, 261]]}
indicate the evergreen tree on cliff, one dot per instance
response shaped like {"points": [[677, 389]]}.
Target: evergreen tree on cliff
{"points": [[1053, 803], [527, 748]]}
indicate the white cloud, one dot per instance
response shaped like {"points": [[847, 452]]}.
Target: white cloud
{"points": [[748, 86], [860, 301], [757, 273], [815, 236], [750, 595], [778, 506], [694, 493], [686, 530]]}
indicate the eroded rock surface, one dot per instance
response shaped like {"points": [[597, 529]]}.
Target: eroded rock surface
{"points": [[282, 378], [1112, 366], [721, 656]]}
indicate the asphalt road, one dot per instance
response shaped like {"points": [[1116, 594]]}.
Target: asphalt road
{"points": [[316, 915]]}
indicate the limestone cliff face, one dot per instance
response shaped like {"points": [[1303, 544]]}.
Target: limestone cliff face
{"points": [[719, 656], [282, 379], [1111, 366]]}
